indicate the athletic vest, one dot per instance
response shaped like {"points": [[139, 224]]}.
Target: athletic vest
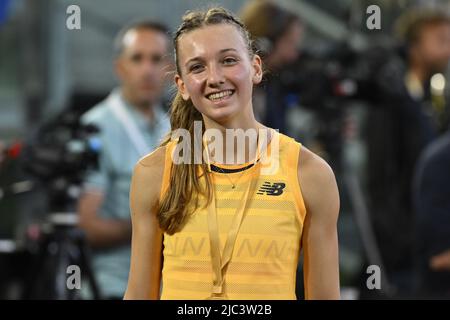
{"points": [[265, 256]]}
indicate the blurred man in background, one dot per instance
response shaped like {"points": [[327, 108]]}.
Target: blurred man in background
{"points": [[410, 118], [277, 34], [426, 35], [131, 120]]}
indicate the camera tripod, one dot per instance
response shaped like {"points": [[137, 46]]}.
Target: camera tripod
{"points": [[62, 247]]}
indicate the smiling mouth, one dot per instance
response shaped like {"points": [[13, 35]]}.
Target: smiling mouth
{"points": [[221, 95]]}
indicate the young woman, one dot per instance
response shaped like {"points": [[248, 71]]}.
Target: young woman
{"points": [[229, 229]]}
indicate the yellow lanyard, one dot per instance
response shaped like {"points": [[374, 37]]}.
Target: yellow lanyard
{"points": [[220, 262]]}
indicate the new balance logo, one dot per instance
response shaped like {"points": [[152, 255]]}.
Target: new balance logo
{"points": [[274, 189]]}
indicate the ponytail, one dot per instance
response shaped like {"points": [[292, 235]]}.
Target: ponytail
{"points": [[173, 212]]}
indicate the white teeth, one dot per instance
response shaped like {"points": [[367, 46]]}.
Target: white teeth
{"points": [[220, 95]]}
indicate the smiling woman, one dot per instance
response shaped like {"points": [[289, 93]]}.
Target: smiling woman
{"points": [[229, 230]]}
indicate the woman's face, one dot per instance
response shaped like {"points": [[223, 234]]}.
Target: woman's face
{"points": [[216, 71]]}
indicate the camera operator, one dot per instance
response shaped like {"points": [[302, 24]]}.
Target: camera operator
{"points": [[277, 34], [131, 120], [398, 132]]}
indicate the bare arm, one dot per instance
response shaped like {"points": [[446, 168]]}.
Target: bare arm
{"points": [[101, 232], [146, 245], [320, 241]]}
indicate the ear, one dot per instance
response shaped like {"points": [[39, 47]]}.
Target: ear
{"points": [[257, 69], [181, 87]]}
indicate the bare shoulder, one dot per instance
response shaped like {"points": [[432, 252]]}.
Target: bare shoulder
{"points": [[311, 165], [318, 182], [151, 165], [154, 159], [147, 180]]}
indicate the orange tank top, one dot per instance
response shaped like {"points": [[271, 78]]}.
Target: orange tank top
{"points": [[264, 261]]}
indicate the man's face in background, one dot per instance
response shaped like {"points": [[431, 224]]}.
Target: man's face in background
{"points": [[143, 64], [433, 47]]}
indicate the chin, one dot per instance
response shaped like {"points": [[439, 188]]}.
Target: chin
{"points": [[147, 99], [223, 116]]}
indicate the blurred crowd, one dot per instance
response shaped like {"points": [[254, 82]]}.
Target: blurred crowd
{"points": [[405, 182]]}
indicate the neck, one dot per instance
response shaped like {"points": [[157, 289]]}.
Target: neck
{"points": [[246, 151], [143, 106]]}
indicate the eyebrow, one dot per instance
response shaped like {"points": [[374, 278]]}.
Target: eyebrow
{"points": [[199, 58]]}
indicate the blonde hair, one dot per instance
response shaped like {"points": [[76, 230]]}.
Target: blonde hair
{"points": [[184, 183]]}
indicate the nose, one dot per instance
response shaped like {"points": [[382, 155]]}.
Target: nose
{"points": [[149, 71], [215, 76], [148, 66]]}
